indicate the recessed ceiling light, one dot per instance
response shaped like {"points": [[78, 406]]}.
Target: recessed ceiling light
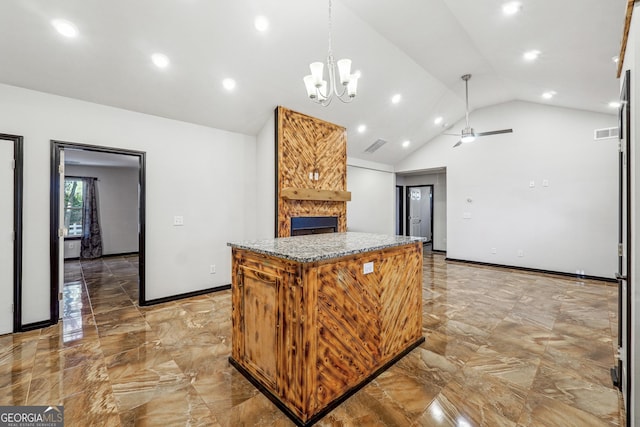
{"points": [[511, 8], [549, 94], [261, 23], [531, 55], [614, 104], [65, 28], [160, 60], [406, 143], [396, 98], [362, 128], [229, 84], [438, 120], [615, 59]]}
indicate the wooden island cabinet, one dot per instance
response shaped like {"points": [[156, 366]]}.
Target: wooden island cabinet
{"points": [[317, 317]]}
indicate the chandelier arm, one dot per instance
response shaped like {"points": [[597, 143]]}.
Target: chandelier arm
{"points": [[319, 98]]}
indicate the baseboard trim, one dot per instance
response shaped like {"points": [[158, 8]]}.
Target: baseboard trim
{"points": [[333, 404], [185, 295], [120, 254], [438, 251], [534, 270], [35, 325], [77, 258]]}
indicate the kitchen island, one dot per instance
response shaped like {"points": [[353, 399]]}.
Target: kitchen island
{"points": [[317, 317]]}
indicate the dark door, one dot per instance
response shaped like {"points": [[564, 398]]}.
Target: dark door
{"points": [[399, 209]]}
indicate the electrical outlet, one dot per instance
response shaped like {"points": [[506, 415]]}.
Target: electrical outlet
{"points": [[367, 267], [520, 253], [178, 220], [466, 215], [494, 251], [532, 184], [212, 269]]}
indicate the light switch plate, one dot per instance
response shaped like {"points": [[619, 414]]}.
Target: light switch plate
{"points": [[178, 220]]}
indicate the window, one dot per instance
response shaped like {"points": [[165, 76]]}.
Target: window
{"points": [[73, 201]]}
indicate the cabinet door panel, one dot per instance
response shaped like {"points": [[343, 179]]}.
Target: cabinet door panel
{"points": [[260, 318]]}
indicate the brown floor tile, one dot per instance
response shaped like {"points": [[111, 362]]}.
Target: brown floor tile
{"points": [[503, 348]]}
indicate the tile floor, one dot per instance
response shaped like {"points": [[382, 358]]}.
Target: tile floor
{"points": [[503, 348]]}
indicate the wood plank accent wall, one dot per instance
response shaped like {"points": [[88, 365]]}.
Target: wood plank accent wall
{"points": [[306, 145], [326, 325], [625, 35]]}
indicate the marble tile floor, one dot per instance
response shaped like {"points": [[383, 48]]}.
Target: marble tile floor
{"points": [[503, 348]]}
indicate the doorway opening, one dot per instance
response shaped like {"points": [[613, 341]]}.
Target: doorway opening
{"points": [[419, 220], [69, 192], [11, 159]]}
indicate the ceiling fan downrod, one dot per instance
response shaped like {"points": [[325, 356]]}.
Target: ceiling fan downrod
{"points": [[466, 78]]}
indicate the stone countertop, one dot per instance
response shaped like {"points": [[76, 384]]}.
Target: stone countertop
{"points": [[318, 247]]}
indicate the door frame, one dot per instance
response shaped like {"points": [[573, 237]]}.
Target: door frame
{"points": [[54, 225], [18, 157], [400, 202], [625, 183], [408, 208]]}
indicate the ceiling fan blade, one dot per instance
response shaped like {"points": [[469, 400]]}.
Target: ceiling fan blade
{"points": [[493, 132], [457, 144]]}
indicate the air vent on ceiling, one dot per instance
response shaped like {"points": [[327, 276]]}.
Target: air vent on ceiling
{"points": [[373, 147], [605, 133]]}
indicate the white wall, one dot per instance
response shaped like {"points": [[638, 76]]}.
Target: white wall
{"points": [[118, 208], [632, 62], [372, 205], [439, 182], [570, 224], [266, 180], [204, 174]]}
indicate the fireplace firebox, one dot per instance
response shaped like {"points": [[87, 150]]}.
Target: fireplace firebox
{"points": [[302, 225]]}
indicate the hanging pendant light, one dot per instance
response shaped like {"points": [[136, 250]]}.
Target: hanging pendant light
{"points": [[322, 91]]}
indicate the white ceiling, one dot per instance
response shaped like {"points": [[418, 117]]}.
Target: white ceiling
{"points": [[418, 48]]}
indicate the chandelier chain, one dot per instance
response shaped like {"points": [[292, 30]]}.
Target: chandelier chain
{"points": [[330, 28]]}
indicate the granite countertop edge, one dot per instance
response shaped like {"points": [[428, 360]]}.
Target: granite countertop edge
{"points": [[367, 243]]}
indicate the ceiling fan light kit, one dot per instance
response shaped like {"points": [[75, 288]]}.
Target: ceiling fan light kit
{"points": [[468, 134]]}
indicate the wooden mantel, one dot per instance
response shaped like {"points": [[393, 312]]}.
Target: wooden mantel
{"points": [[315, 194]]}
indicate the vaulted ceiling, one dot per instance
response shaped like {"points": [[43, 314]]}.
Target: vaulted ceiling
{"points": [[416, 48]]}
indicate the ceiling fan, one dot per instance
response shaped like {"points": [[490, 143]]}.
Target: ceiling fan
{"points": [[468, 134]]}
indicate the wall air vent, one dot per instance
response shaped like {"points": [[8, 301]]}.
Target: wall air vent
{"points": [[605, 133], [373, 147]]}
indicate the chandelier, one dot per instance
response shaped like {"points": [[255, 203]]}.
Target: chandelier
{"points": [[322, 91]]}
